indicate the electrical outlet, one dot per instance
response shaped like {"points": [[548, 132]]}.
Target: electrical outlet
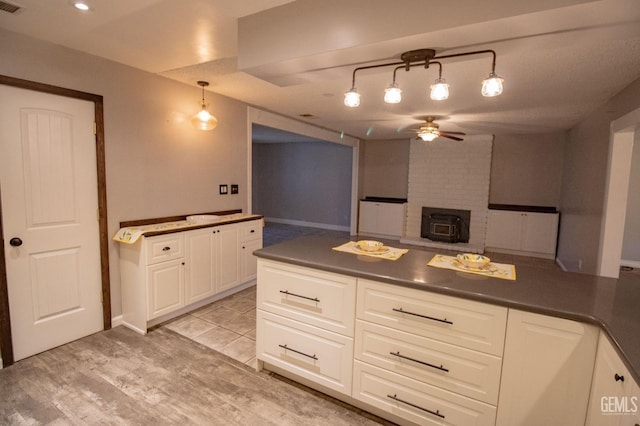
{"points": [[234, 189]]}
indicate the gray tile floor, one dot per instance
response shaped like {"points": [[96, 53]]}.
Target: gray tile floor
{"points": [[227, 326]]}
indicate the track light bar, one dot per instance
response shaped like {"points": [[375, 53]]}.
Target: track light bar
{"points": [[491, 86]]}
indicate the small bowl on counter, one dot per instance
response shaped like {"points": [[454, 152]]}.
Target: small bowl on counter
{"points": [[202, 218], [369, 245], [473, 261]]}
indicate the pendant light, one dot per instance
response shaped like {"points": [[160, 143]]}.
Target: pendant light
{"points": [[203, 120]]}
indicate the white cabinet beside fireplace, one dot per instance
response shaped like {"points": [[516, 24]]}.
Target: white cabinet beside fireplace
{"points": [[521, 232], [381, 219]]}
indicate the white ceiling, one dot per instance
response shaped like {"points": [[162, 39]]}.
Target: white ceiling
{"points": [[561, 59]]}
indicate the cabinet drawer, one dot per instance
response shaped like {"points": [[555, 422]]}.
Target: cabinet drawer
{"points": [[164, 247], [470, 373], [462, 322], [251, 230], [315, 297], [310, 352], [416, 401]]}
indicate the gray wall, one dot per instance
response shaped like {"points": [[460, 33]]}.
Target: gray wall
{"points": [[583, 181], [527, 169], [157, 164], [386, 168], [631, 242], [303, 182]]}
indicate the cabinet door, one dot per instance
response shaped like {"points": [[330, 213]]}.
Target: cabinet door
{"points": [[539, 232], [368, 218], [249, 263], [199, 270], [546, 370], [165, 283], [504, 229], [390, 219], [227, 246], [615, 397]]}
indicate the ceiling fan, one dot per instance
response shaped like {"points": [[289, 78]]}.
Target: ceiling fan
{"points": [[431, 130]]}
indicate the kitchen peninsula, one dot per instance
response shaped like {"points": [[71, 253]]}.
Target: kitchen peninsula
{"points": [[492, 351]]}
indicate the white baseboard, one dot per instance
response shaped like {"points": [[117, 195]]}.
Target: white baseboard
{"points": [[308, 224], [116, 321], [560, 264], [630, 263]]}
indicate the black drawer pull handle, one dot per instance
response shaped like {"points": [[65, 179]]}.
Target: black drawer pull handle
{"points": [[618, 378], [314, 299], [166, 248], [435, 413], [252, 231], [422, 316], [441, 368], [286, 348]]}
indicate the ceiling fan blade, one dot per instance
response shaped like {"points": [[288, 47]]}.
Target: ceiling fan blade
{"points": [[452, 133], [442, 135]]}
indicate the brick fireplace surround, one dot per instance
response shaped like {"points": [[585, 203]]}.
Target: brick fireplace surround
{"points": [[452, 175]]}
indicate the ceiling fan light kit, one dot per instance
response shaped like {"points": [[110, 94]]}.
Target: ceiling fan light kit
{"points": [[430, 130], [491, 86], [203, 120]]}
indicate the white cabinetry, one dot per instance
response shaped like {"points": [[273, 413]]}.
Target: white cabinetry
{"points": [[381, 219], [546, 372], [526, 233], [165, 275], [305, 323], [615, 396], [425, 357], [250, 241]]}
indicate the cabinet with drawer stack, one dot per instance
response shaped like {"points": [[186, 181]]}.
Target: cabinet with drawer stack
{"points": [[305, 320], [166, 275], [425, 357]]}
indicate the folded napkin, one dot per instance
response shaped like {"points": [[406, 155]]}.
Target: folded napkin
{"points": [[385, 252], [131, 234], [496, 270]]}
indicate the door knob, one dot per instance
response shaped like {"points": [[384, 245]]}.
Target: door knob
{"points": [[15, 242]]}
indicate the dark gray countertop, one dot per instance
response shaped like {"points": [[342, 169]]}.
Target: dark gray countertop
{"points": [[611, 304]]}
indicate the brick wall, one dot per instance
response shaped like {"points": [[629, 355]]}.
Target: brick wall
{"points": [[452, 175]]}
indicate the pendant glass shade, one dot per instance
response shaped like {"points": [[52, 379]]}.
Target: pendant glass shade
{"points": [[203, 120], [428, 136], [352, 98], [492, 86], [392, 94], [439, 90]]}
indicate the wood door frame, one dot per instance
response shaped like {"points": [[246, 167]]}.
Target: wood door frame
{"points": [[6, 344]]}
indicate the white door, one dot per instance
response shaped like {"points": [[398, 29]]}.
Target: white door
{"points": [[48, 182]]}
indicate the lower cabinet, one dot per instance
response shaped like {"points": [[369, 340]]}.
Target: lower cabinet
{"points": [[164, 275], [418, 357], [615, 396], [546, 372], [316, 354], [166, 287], [417, 401], [525, 233]]}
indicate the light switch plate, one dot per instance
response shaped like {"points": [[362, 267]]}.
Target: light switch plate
{"points": [[234, 189], [224, 189]]}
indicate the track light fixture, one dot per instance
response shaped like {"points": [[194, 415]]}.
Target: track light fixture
{"points": [[203, 120], [439, 90]]}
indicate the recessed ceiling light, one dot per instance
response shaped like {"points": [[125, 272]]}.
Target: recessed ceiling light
{"points": [[81, 6]]}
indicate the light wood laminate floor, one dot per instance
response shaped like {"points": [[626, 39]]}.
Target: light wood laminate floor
{"points": [[119, 377]]}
